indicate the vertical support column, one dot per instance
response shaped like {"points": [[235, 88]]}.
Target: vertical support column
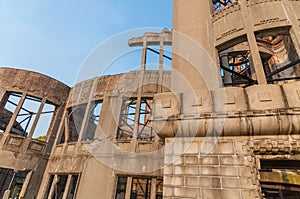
{"points": [[66, 129], [36, 120], [3, 98], [225, 63], [140, 90], [295, 29], [128, 188], [51, 192], [61, 126], [14, 116], [25, 184], [259, 70], [87, 112], [161, 62], [67, 187], [193, 49], [153, 188], [13, 119]]}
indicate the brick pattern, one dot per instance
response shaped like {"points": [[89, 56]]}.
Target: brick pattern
{"points": [[226, 171]]}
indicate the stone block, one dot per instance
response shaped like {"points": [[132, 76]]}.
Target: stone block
{"points": [[245, 172], [167, 191], [174, 181], [191, 148], [191, 160], [237, 183], [220, 194], [222, 148], [186, 170], [203, 182], [218, 171], [186, 192], [235, 160], [168, 170], [209, 160], [249, 194]]}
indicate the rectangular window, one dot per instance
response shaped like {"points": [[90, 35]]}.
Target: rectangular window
{"points": [[92, 121], [12, 181], [75, 119], [141, 187], [73, 187], [32, 109], [50, 181], [127, 119], [121, 187], [57, 186], [277, 178]]}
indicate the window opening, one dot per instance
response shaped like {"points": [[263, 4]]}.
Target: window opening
{"points": [[25, 119], [277, 179], [93, 120], [126, 123], [75, 119]]}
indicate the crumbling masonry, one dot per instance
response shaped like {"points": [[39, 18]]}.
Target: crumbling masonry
{"points": [[223, 123]]}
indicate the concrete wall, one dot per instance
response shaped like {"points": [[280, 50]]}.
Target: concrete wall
{"points": [[226, 167]]}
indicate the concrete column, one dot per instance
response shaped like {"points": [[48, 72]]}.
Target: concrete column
{"points": [[259, 70], [3, 97], [12, 120], [128, 188], [153, 188], [193, 51], [37, 117], [25, 184], [67, 187], [161, 62], [87, 112], [61, 128], [15, 115], [52, 187], [295, 29], [225, 63], [140, 90]]}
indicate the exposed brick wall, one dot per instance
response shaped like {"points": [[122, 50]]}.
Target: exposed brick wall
{"points": [[228, 170]]}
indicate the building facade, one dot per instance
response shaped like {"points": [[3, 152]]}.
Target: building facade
{"points": [[223, 123]]}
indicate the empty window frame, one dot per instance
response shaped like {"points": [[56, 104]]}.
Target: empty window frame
{"points": [[237, 68], [127, 119], [60, 186], [140, 188], [33, 118], [277, 179], [11, 181], [283, 63], [92, 121], [219, 4], [74, 121]]}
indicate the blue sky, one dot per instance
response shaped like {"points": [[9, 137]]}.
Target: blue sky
{"points": [[55, 37]]}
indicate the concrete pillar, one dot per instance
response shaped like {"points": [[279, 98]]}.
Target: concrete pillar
{"points": [[128, 188], [140, 90], [36, 120], [67, 187], [153, 188], [257, 63], [295, 29], [193, 52], [161, 62], [225, 63]]}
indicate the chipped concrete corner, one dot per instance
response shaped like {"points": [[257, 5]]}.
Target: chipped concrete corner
{"points": [[223, 123]]}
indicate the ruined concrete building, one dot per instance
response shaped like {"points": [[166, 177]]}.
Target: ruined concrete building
{"points": [[223, 123]]}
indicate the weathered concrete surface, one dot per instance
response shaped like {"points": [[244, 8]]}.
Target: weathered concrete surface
{"points": [[23, 153], [226, 168]]}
